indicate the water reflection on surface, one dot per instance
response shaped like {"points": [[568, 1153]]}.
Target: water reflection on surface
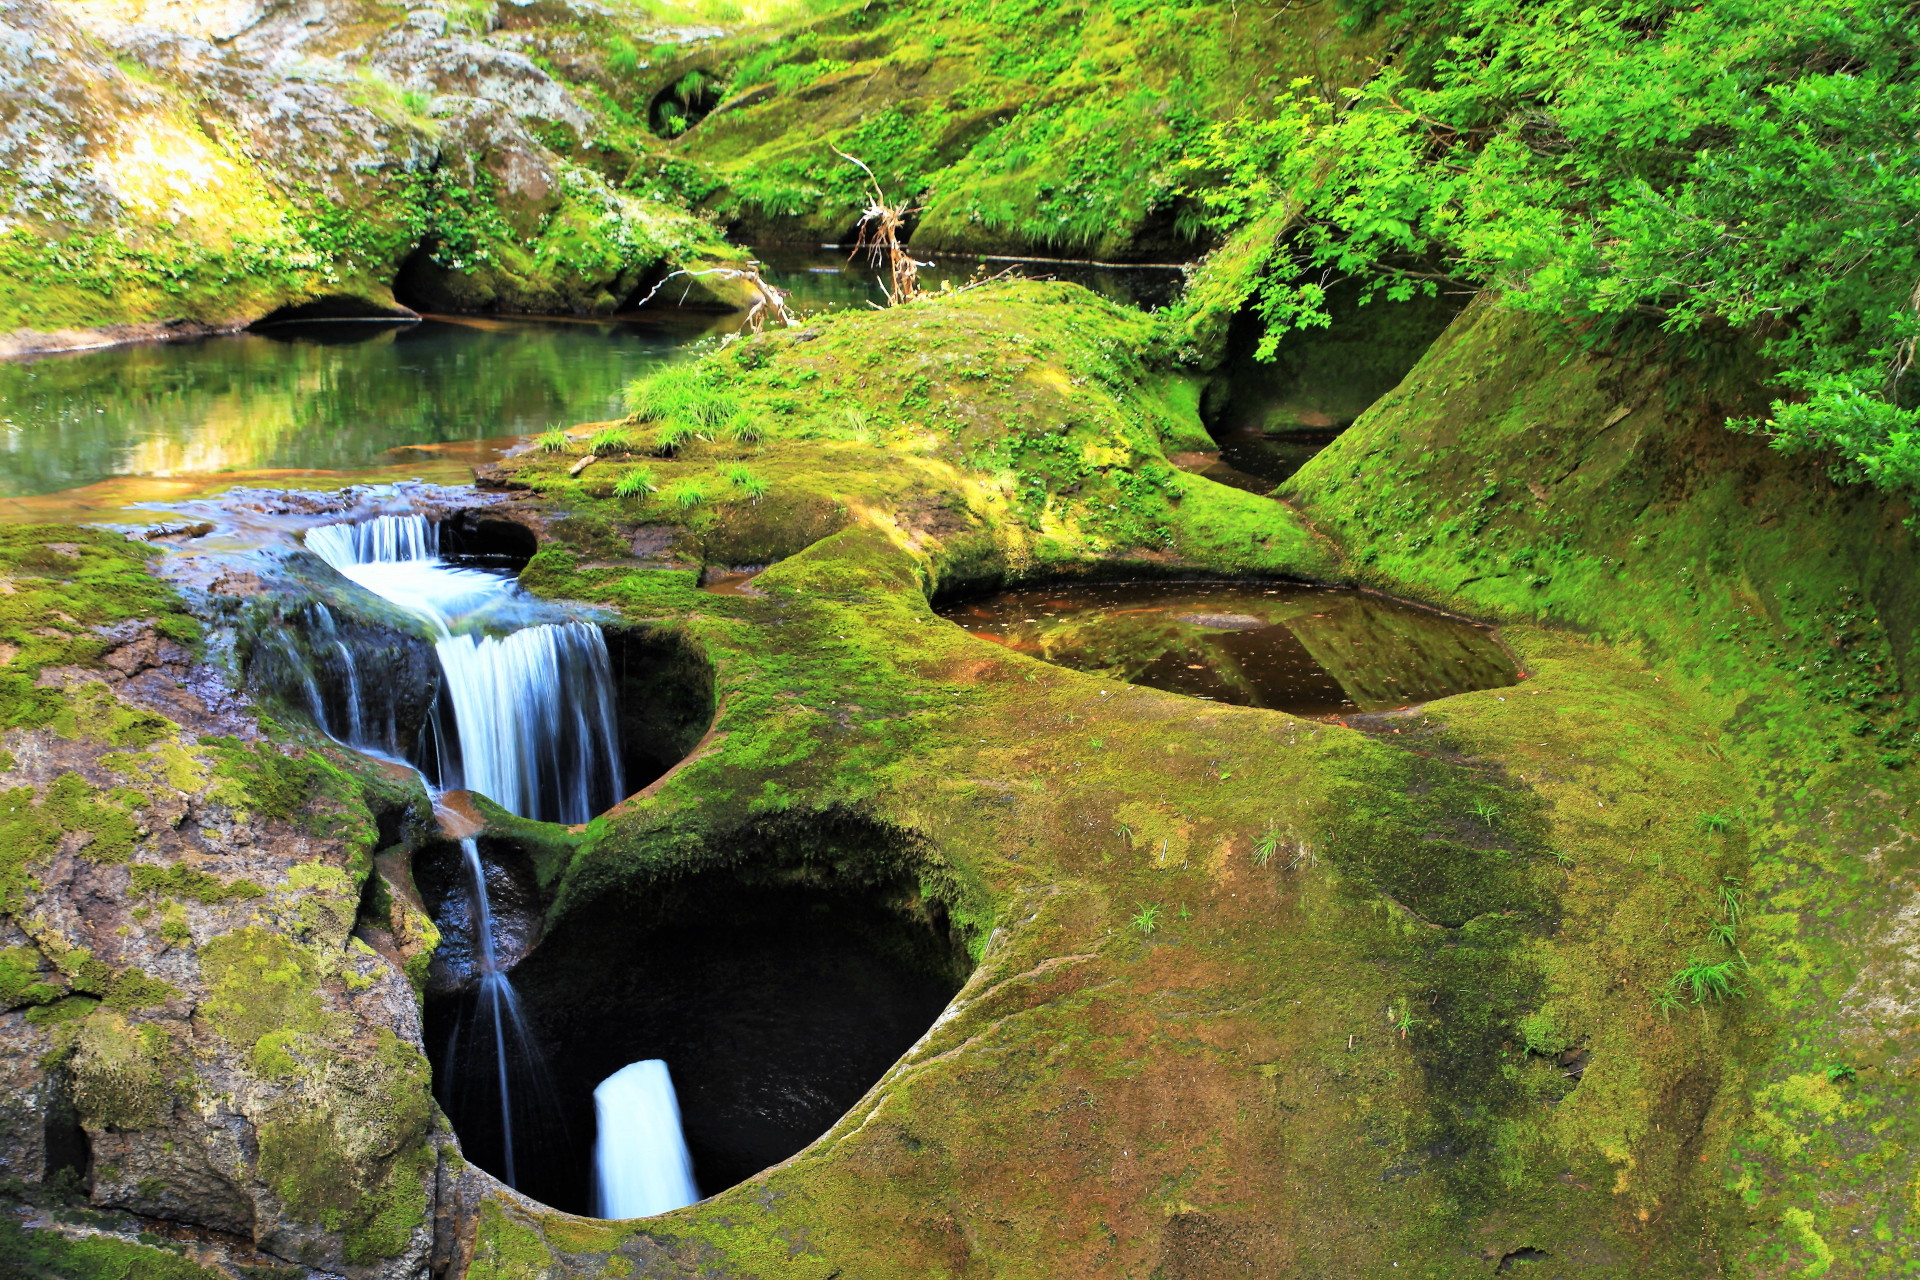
{"points": [[85, 435], [317, 397], [1308, 650]]}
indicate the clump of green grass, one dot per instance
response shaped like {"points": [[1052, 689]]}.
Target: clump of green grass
{"points": [[747, 482], [1702, 982], [686, 494], [1714, 823], [743, 430], [1264, 848], [610, 440], [1486, 810], [671, 438], [1146, 919], [684, 404], [635, 482], [554, 441]]}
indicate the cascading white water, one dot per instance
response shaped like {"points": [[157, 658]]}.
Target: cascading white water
{"points": [[640, 1161], [532, 711], [499, 1005]]}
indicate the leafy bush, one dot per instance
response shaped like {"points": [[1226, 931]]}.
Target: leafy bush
{"points": [[1628, 163]]}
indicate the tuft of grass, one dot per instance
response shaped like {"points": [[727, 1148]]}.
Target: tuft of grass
{"points": [[743, 430], [610, 440], [744, 479], [1732, 899], [1146, 919], [1714, 823], [671, 438], [686, 495], [680, 397], [1486, 810], [635, 482], [552, 442], [1699, 982], [1264, 847]]}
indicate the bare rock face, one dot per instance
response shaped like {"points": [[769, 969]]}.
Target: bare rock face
{"points": [[193, 1028]]}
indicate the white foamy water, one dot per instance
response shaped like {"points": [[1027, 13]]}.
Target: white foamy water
{"points": [[640, 1161], [532, 713]]}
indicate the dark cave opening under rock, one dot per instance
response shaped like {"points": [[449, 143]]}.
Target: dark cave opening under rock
{"points": [[776, 997], [1271, 416]]}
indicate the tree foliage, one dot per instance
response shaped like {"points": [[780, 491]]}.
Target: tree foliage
{"points": [[1742, 164]]}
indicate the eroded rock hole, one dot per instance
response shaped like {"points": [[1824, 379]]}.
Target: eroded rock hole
{"points": [[336, 307], [777, 991], [685, 103], [1271, 416], [1311, 650]]}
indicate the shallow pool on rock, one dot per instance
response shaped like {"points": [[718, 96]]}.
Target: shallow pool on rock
{"points": [[1314, 651]]}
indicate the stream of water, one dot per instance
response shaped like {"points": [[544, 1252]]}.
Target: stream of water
{"points": [[641, 1166], [526, 713]]}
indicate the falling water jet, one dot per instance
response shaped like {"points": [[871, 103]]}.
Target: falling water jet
{"points": [[526, 718], [640, 1162], [498, 1033]]}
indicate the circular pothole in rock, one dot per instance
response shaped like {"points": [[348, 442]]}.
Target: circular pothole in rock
{"points": [[1311, 650], [776, 993]]}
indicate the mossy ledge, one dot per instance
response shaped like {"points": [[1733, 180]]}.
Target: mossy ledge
{"points": [[1426, 1024]]}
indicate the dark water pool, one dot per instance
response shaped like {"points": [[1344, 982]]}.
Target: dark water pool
{"points": [[1314, 651], [774, 1005]]}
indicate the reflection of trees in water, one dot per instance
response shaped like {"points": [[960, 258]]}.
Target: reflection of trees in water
{"points": [[251, 401]]}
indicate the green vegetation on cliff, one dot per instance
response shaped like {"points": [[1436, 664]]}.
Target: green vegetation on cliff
{"points": [[1627, 167]]}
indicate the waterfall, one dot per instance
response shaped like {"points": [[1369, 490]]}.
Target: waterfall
{"points": [[527, 717], [500, 1035], [640, 1161]]}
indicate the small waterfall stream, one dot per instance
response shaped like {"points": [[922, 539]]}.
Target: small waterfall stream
{"points": [[525, 716], [503, 1025], [640, 1163], [526, 711]]}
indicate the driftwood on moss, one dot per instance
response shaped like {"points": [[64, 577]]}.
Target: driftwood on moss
{"points": [[880, 227], [769, 301]]}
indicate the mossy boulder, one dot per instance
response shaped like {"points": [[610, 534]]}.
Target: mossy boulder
{"points": [[193, 1031], [1253, 994], [175, 171]]}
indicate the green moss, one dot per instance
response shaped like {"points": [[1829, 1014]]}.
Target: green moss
{"points": [[24, 979], [1516, 477], [67, 582], [262, 985], [182, 881], [360, 1165], [119, 1074], [38, 1253]]}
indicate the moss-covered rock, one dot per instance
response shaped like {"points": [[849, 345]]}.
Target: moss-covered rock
{"points": [[1012, 127], [175, 171], [1517, 476], [1254, 994], [192, 1031]]}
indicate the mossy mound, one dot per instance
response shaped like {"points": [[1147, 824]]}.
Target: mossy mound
{"points": [[1519, 477], [1253, 993], [1020, 127]]}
